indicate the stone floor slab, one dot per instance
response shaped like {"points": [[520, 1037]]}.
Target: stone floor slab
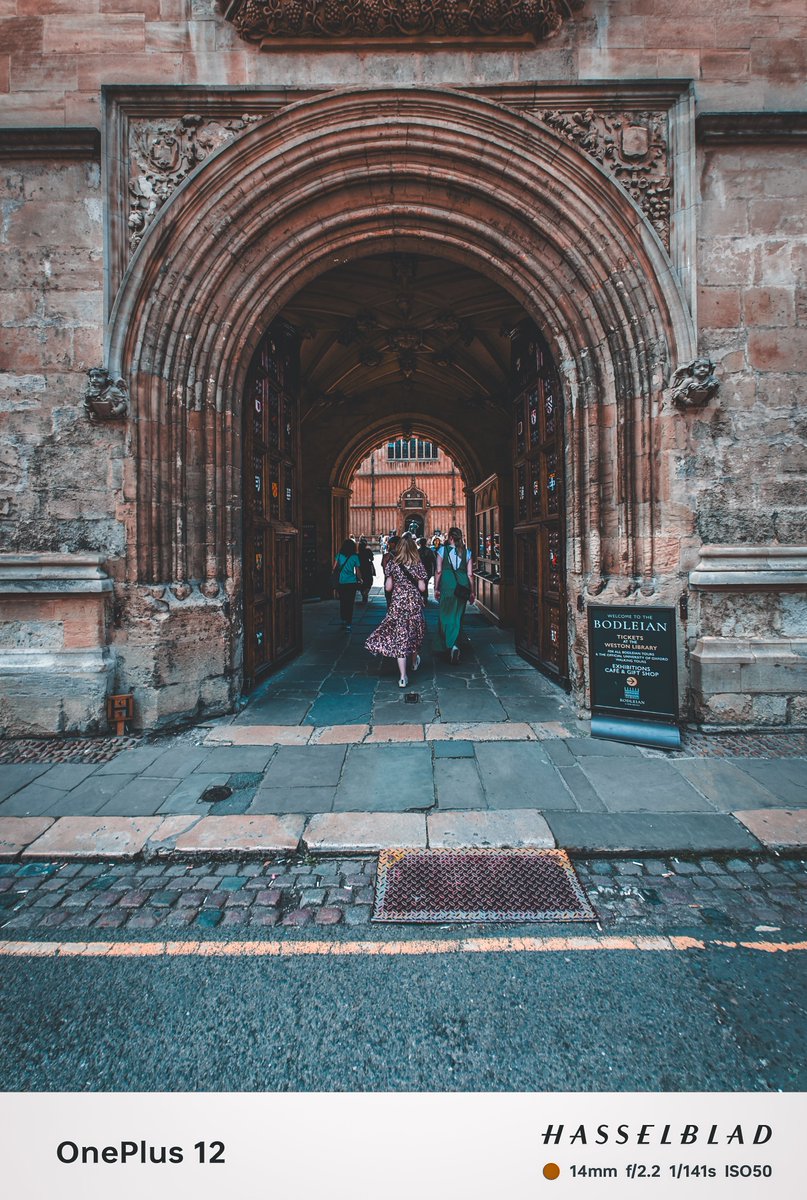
{"points": [[473, 705], [225, 760], [293, 800], [590, 747], [282, 710], [14, 776], [784, 778], [386, 778], [339, 735], [453, 750], [512, 829], [175, 762], [637, 833], [65, 776], [304, 767], [457, 784], [725, 786], [550, 729], [259, 834], [18, 832], [186, 796], [260, 735], [33, 800], [777, 828], [642, 785], [364, 832], [395, 733], [91, 795], [142, 797], [94, 837], [131, 762], [472, 731], [518, 775]]}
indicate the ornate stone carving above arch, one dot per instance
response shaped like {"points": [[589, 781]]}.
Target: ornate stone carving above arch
{"points": [[269, 21], [453, 175]]}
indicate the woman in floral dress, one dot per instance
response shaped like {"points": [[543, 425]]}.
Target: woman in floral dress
{"points": [[402, 631]]}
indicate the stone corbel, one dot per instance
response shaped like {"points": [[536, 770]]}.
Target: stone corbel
{"points": [[105, 398], [694, 384]]}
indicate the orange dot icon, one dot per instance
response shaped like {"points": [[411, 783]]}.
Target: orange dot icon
{"points": [[551, 1171]]}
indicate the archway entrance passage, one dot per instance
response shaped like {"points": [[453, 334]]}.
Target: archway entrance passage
{"points": [[438, 349], [328, 181]]}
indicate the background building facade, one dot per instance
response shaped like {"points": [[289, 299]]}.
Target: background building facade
{"points": [[406, 483], [624, 177]]}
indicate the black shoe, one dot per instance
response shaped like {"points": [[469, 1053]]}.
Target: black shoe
{"points": [[455, 655]]}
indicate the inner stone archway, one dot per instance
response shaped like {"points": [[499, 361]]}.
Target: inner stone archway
{"points": [[326, 181]]}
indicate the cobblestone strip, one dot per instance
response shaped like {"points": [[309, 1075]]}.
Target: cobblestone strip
{"points": [[651, 893]]}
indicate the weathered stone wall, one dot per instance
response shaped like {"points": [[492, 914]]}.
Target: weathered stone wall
{"points": [[60, 477], [746, 459], [57, 54], [733, 473]]}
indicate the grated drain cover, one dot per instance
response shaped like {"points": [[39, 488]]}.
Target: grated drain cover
{"points": [[412, 697], [433, 886]]}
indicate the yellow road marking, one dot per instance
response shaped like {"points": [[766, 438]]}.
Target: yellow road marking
{"points": [[298, 949]]}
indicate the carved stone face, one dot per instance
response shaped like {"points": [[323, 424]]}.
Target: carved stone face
{"points": [[701, 368], [97, 377]]}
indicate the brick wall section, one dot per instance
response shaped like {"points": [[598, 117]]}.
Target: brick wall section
{"points": [[439, 480], [56, 54]]}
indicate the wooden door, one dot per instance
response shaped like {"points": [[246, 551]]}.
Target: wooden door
{"points": [[539, 504], [272, 560]]}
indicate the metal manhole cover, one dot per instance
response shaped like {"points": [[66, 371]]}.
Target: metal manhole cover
{"points": [[433, 886]]}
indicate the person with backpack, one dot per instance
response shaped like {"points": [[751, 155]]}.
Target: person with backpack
{"points": [[346, 577], [453, 589], [401, 633]]}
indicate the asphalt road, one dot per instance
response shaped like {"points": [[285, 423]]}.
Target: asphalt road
{"points": [[603, 1020]]}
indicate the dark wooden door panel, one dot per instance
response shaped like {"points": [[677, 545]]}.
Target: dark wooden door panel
{"points": [[272, 586], [539, 504]]}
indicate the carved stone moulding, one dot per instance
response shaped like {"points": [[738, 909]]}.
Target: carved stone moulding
{"points": [[267, 21]]}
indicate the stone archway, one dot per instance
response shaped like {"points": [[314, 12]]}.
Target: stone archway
{"points": [[343, 175]]}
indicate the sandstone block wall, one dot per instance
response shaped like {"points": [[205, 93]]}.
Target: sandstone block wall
{"points": [[734, 473]]}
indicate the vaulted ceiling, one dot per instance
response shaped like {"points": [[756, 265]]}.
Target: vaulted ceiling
{"points": [[417, 331]]}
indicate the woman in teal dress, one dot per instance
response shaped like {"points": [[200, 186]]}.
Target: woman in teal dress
{"points": [[453, 588]]}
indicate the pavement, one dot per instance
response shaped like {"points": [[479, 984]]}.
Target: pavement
{"points": [[329, 756]]}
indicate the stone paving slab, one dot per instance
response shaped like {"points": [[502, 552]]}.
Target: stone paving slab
{"points": [[293, 800], [14, 776], [260, 735], [386, 779], [648, 833], [395, 733], [511, 829], [256, 834], [637, 784], [339, 735], [343, 833], [725, 786], [91, 837], [457, 784], [304, 766], [18, 832], [777, 828], [473, 731]]}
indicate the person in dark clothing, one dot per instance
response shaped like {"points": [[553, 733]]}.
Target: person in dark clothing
{"points": [[366, 569], [348, 579], [427, 558]]}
